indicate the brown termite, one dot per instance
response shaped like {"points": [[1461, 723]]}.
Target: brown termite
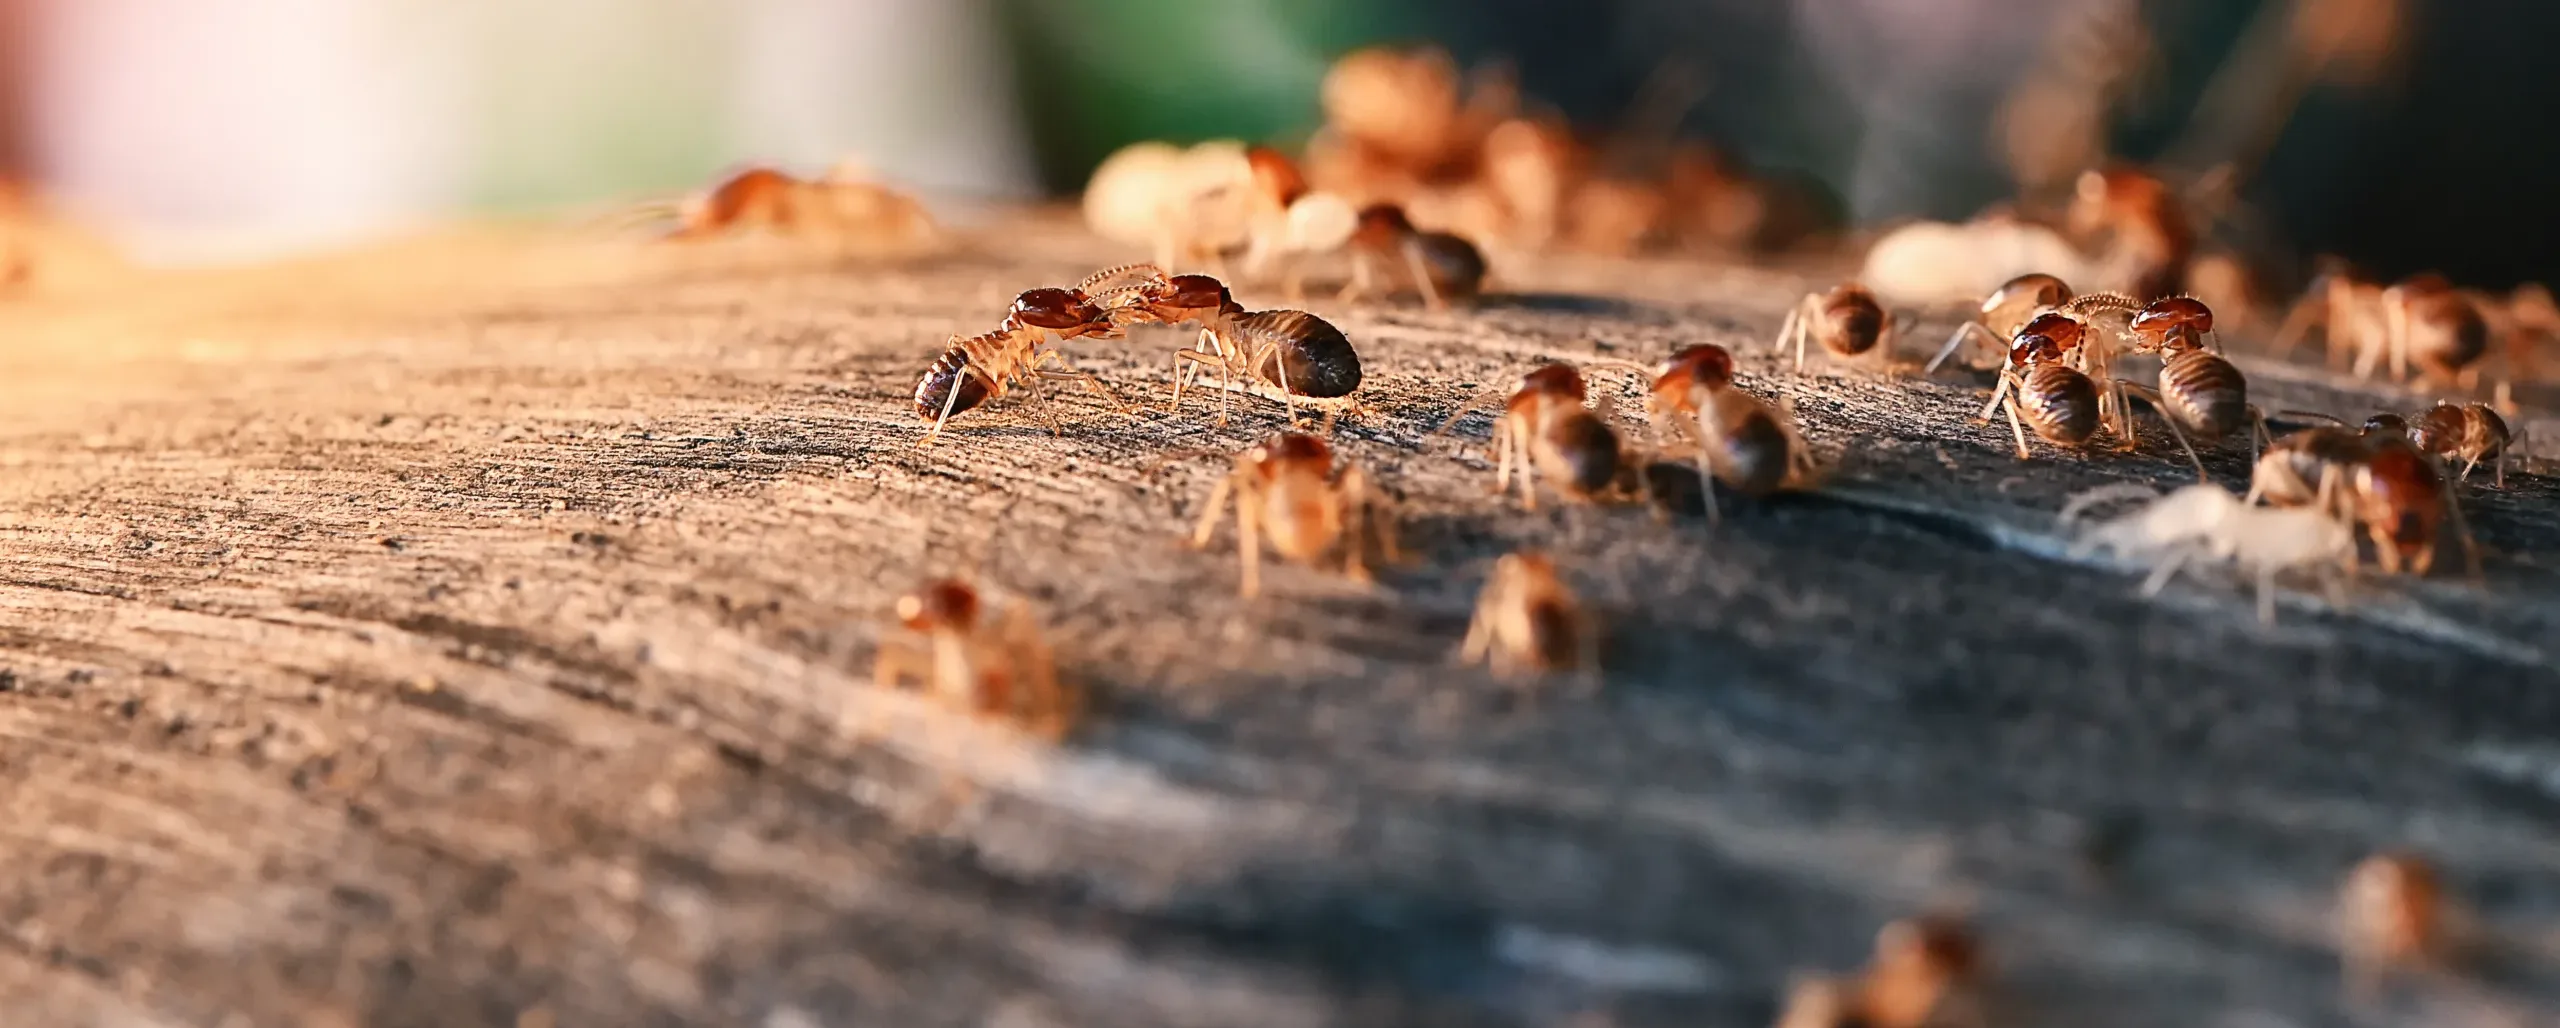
{"points": [[2392, 915], [1926, 971], [996, 666], [2006, 310], [1527, 622], [2139, 227], [1546, 432], [982, 368], [2375, 480], [2050, 396], [1438, 265], [1740, 442], [2200, 392], [839, 206], [1302, 354], [2347, 308], [2470, 433], [1847, 321], [2432, 325], [1287, 491], [1286, 221]]}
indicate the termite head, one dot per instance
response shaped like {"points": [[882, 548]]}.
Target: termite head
{"points": [[1704, 366], [1289, 449], [1065, 311], [1550, 381], [2386, 425], [942, 604], [1276, 180], [2172, 323], [2048, 339]]}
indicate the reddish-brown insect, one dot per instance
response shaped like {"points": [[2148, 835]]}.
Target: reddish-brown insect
{"points": [[2040, 387], [2347, 308], [1528, 622], [2138, 227], [2376, 481], [980, 369], [2392, 915], [1847, 321], [1288, 493], [1740, 442], [1927, 972], [2432, 325], [2470, 433], [1388, 253], [1546, 431], [2005, 311], [2200, 393], [840, 207], [991, 665], [1302, 354]]}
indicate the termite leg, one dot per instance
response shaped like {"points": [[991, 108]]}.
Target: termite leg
{"points": [[2016, 429], [1422, 283], [1217, 506]]}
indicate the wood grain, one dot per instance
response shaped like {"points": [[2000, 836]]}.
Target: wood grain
{"points": [[477, 633]]}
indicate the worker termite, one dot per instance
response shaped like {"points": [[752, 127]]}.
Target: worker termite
{"points": [[1547, 432], [993, 666], [1437, 265], [1527, 622], [2432, 325], [1302, 354], [2138, 227], [842, 206], [1288, 491], [2039, 386], [1847, 321], [2392, 915], [1927, 972], [2005, 311], [2378, 481], [2469, 433], [1740, 442], [2200, 392], [982, 368], [2346, 307], [1288, 221]]}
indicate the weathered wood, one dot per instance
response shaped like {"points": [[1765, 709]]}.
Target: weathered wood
{"points": [[477, 634]]}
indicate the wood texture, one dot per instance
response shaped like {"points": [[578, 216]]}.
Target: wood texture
{"points": [[477, 633]]}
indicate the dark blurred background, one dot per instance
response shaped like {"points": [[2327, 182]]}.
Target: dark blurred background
{"points": [[211, 128]]}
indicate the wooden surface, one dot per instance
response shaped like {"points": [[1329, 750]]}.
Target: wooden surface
{"points": [[478, 633]]}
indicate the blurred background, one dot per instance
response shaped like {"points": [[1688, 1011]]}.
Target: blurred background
{"points": [[207, 130]]}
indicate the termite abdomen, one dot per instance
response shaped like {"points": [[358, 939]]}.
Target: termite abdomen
{"points": [[1315, 356], [949, 372]]}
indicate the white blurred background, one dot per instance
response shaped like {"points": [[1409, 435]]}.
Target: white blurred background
{"points": [[209, 130]]}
